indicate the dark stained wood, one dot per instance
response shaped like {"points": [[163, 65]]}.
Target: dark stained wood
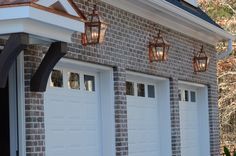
{"points": [[39, 81], [14, 45]]}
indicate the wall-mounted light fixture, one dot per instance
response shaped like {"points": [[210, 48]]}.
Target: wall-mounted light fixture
{"points": [[95, 29], [158, 48], [200, 61]]}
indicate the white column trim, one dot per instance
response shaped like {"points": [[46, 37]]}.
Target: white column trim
{"points": [[21, 105]]}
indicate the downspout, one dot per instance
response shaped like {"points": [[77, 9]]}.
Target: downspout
{"points": [[227, 52]]}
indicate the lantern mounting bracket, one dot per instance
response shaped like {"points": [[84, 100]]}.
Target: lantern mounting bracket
{"points": [[39, 80], [14, 45]]}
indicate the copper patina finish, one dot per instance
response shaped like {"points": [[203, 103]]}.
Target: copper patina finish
{"points": [[32, 3]]}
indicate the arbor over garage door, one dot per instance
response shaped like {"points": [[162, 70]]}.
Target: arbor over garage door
{"points": [[74, 121], [148, 116]]}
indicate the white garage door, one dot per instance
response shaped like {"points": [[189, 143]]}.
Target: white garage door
{"points": [[72, 114], [194, 121], [143, 123], [189, 122]]}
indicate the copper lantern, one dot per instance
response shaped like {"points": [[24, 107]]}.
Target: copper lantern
{"points": [[158, 49], [200, 61], [95, 29]]}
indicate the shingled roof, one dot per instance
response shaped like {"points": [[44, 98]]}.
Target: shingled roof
{"points": [[196, 11]]}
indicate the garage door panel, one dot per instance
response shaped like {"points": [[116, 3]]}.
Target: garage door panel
{"points": [[191, 150], [189, 121], [144, 153], [138, 148], [71, 120], [143, 133]]}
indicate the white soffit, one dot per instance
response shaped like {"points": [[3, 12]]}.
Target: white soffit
{"points": [[175, 18], [44, 25]]}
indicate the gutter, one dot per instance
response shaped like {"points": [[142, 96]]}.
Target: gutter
{"points": [[228, 51], [170, 8], [184, 14]]}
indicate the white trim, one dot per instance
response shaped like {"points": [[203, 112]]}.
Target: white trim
{"points": [[13, 111], [21, 104], [145, 75], [108, 113], [172, 17], [29, 20], [17, 107], [68, 62], [191, 84], [204, 120]]}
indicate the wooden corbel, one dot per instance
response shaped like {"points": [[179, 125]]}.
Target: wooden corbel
{"points": [[39, 80], [14, 45]]}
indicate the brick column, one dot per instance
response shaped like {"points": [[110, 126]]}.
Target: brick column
{"points": [[214, 120], [34, 110], [175, 118], [120, 112]]}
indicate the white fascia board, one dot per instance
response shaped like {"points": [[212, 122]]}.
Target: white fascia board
{"points": [[44, 25], [38, 31], [194, 31]]}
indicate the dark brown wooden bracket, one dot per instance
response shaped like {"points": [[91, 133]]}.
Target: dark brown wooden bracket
{"points": [[39, 80], [14, 45]]}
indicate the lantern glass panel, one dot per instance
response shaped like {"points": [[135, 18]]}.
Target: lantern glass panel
{"points": [[102, 32], [88, 33], [160, 53], [202, 63], [154, 52], [92, 34], [95, 34]]}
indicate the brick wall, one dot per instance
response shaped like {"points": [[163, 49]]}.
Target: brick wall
{"points": [[126, 48], [120, 112], [175, 118], [34, 110]]}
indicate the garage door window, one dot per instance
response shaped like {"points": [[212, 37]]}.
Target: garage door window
{"points": [[151, 91], [186, 96], [89, 83], [74, 82], [57, 78], [141, 89], [129, 88], [193, 96]]}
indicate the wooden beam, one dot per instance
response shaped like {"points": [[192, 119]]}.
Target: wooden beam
{"points": [[39, 81], [14, 45]]}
